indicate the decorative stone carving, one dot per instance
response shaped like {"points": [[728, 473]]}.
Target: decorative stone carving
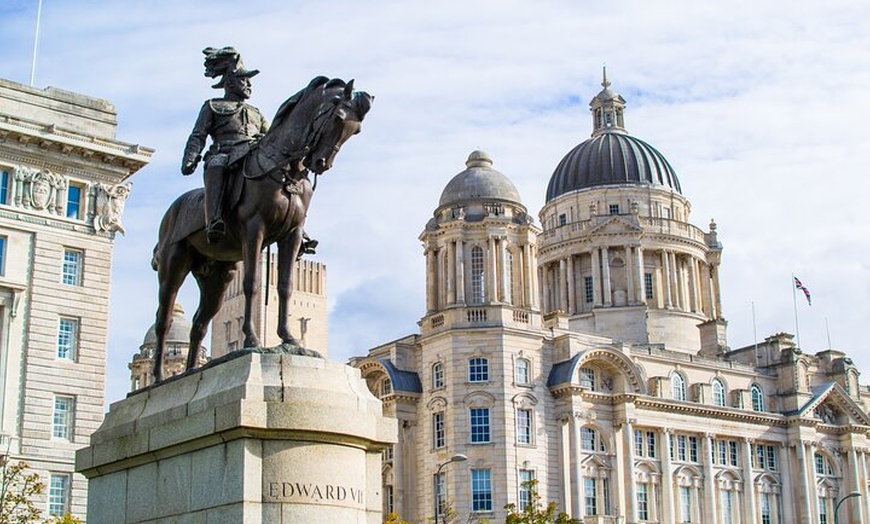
{"points": [[38, 189], [110, 202]]}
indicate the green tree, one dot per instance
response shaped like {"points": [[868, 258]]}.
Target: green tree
{"points": [[18, 488], [394, 518], [536, 512]]}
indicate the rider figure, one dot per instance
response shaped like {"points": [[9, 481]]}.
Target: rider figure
{"points": [[232, 125]]}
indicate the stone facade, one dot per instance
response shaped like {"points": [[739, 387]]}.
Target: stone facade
{"points": [[62, 194], [591, 356], [308, 310]]}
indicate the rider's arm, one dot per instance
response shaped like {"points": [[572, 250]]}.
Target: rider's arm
{"points": [[197, 139]]}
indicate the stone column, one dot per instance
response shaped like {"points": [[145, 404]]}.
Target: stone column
{"points": [[605, 267], [507, 294], [717, 294], [490, 269], [641, 278], [576, 469], [398, 468], [542, 275], [629, 277], [571, 281], [693, 285], [667, 478], [452, 261], [596, 276], [565, 462], [676, 298], [562, 280], [788, 486], [621, 481], [856, 506], [806, 479], [749, 502], [628, 435], [431, 280], [709, 480], [533, 282], [460, 272], [666, 278], [523, 274]]}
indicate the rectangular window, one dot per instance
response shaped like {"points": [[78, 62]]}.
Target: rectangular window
{"points": [[587, 439], [681, 448], [591, 495], [587, 378], [614, 209], [438, 437], [2, 256], [478, 370], [723, 452], [727, 507], [525, 495], [820, 464], [4, 187], [481, 490], [62, 419], [440, 484], [58, 494], [67, 336], [651, 444], [642, 502], [479, 425], [524, 426], [765, 508], [71, 272], [732, 452], [823, 511], [771, 458], [563, 219], [605, 492], [693, 449], [74, 201], [758, 459], [638, 443], [388, 495], [523, 372], [670, 439], [648, 285], [588, 290], [685, 504], [437, 375]]}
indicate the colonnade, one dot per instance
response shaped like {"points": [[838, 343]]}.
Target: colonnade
{"points": [[755, 494], [486, 271], [622, 275]]}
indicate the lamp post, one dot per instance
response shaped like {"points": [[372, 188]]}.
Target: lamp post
{"points": [[459, 457], [837, 507]]}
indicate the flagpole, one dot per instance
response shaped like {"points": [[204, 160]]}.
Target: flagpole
{"points": [[754, 329], [828, 331], [35, 43], [797, 328]]}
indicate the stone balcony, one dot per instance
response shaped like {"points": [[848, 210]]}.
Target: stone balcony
{"points": [[665, 226], [484, 315]]}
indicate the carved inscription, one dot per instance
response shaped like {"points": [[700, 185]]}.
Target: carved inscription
{"points": [[311, 493]]}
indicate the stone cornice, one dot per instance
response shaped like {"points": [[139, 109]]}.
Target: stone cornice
{"points": [[94, 150]]}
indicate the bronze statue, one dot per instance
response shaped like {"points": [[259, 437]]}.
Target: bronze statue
{"points": [[231, 123], [266, 202]]}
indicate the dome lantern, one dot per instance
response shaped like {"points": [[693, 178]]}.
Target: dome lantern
{"points": [[607, 108]]}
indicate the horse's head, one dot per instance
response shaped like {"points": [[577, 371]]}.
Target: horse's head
{"points": [[337, 119]]}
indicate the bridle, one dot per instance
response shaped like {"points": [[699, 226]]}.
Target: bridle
{"points": [[337, 108]]}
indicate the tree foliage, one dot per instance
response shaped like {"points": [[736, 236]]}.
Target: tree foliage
{"points": [[536, 512], [18, 488], [394, 518]]}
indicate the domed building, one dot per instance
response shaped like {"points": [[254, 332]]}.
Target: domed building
{"points": [[591, 355], [175, 358]]}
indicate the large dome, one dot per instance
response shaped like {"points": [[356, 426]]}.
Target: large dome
{"points": [[479, 182], [611, 158], [179, 332]]}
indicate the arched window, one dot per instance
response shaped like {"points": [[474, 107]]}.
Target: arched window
{"points": [[478, 369], [590, 441], [757, 398], [386, 387], [718, 392], [523, 371], [678, 387], [477, 277], [437, 375]]}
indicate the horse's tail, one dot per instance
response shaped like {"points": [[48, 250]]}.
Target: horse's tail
{"points": [[184, 217]]}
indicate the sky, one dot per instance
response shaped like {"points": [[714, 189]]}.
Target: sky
{"points": [[760, 107]]}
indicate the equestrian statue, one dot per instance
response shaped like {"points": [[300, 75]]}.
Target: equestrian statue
{"points": [[256, 193]]}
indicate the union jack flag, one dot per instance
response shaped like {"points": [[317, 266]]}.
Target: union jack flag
{"points": [[799, 285]]}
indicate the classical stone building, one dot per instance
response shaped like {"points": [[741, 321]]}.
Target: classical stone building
{"points": [[62, 194], [591, 355]]}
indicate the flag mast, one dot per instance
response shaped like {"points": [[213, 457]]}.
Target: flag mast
{"points": [[35, 43], [797, 329]]}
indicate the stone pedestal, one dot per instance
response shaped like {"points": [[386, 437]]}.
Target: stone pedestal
{"points": [[251, 438]]}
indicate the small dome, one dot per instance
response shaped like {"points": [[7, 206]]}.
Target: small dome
{"points": [[179, 333], [479, 182], [611, 159]]}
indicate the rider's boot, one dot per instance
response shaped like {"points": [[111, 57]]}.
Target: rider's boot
{"points": [[216, 229]]}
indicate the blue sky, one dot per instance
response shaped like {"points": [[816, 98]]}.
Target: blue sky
{"points": [[761, 108]]}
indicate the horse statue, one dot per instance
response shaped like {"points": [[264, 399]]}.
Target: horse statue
{"points": [[267, 200]]}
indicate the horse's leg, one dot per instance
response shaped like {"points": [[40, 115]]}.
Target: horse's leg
{"points": [[213, 281], [287, 251], [251, 248], [173, 267]]}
